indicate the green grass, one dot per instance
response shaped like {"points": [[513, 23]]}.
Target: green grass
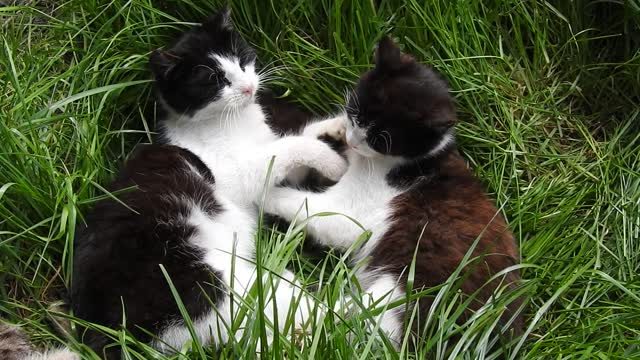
{"points": [[548, 95]]}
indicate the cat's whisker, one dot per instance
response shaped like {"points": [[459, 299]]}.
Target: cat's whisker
{"points": [[268, 79], [236, 114], [273, 70], [387, 138], [229, 113], [224, 116], [336, 104], [212, 71], [355, 99], [270, 64], [346, 93], [350, 108], [269, 74], [270, 71], [268, 67]]}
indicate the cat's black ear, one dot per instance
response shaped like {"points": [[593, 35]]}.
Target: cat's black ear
{"points": [[162, 63], [388, 55], [219, 21]]}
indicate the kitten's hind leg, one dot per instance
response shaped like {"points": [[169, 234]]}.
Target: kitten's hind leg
{"points": [[293, 302], [375, 306]]}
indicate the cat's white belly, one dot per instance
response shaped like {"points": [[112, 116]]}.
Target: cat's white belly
{"points": [[229, 232], [366, 196], [228, 241]]}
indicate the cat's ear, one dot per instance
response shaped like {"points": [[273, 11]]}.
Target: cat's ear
{"points": [[219, 21], [162, 63], [388, 55]]}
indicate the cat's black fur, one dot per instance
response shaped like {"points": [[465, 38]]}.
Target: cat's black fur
{"points": [[186, 76], [117, 255]]}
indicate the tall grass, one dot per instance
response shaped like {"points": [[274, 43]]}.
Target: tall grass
{"points": [[548, 95]]}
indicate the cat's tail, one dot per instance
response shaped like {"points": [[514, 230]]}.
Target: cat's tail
{"points": [[15, 345]]}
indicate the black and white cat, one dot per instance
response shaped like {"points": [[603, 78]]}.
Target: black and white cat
{"points": [[409, 187], [193, 210]]}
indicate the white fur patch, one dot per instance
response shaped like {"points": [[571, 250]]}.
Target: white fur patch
{"points": [[240, 79], [382, 292], [446, 140]]}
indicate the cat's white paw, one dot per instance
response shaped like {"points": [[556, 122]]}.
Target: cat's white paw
{"points": [[333, 166], [298, 151], [334, 128]]}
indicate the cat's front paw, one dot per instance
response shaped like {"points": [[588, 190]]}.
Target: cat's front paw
{"points": [[331, 131], [333, 165], [336, 128]]}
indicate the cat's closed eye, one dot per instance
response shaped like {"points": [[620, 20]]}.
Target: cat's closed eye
{"points": [[204, 71], [207, 75]]}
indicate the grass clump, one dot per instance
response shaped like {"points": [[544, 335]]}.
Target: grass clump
{"points": [[548, 95]]}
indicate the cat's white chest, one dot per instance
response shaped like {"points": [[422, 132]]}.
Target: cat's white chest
{"points": [[366, 193], [229, 147]]}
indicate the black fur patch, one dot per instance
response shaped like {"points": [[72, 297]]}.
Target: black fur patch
{"points": [[118, 252], [283, 116], [187, 78]]}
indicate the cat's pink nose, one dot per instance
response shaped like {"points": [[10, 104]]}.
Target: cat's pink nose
{"points": [[248, 90]]}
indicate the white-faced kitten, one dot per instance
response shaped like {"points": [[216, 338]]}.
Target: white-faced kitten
{"points": [[193, 210], [208, 83], [408, 185]]}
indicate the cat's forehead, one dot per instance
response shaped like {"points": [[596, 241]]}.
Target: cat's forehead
{"points": [[227, 60], [201, 43], [379, 87]]}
